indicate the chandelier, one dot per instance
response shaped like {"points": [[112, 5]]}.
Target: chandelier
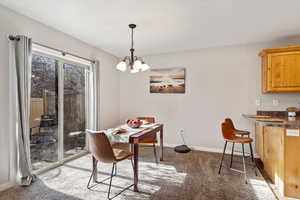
{"points": [[134, 63]]}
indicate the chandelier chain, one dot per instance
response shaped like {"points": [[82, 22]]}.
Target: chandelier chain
{"points": [[132, 38]]}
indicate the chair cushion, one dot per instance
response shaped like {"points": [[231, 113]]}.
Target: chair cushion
{"points": [[121, 154]]}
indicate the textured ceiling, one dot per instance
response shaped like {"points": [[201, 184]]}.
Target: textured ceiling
{"points": [[165, 25]]}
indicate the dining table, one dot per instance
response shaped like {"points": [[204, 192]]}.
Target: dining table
{"points": [[134, 136]]}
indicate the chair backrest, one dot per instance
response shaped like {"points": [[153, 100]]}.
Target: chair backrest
{"points": [[230, 122], [100, 147], [227, 131], [148, 119]]}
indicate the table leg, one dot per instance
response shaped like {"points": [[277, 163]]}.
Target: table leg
{"points": [[135, 167], [95, 168], [161, 151]]}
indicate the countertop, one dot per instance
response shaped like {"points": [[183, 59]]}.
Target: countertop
{"points": [[280, 121]]}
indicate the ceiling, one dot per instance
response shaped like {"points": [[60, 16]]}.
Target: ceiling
{"points": [[165, 25]]}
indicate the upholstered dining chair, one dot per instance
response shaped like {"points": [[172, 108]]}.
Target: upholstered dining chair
{"points": [[102, 151], [229, 136], [151, 140]]}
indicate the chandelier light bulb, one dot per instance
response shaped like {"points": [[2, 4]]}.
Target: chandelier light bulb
{"points": [[122, 66], [137, 65], [145, 67]]}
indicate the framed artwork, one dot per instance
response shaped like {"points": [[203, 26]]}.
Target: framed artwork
{"points": [[169, 80]]}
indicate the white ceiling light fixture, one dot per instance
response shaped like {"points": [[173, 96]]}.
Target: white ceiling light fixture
{"points": [[134, 63]]}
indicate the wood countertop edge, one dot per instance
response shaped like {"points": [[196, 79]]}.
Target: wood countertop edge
{"points": [[273, 121]]}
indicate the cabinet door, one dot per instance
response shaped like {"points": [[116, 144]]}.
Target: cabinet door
{"points": [[292, 166], [284, 72], [259, 142], [273, 153]]}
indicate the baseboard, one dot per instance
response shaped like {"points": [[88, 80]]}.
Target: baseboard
{"points": [[6, 186], [198, 148], [208, 149]]}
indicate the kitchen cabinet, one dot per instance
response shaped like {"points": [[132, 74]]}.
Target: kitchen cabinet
{"points": [[274, 154], [281, 69], [279, 153], [292, 165]]}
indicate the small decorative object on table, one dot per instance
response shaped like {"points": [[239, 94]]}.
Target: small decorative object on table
{"points": [[134, 123], [292, 111]]}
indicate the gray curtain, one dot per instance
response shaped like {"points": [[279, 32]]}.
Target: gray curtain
{"points": [[96, 95], [20, 60]]}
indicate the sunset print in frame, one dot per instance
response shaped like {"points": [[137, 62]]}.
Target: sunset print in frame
{"points": [[168, 80]]}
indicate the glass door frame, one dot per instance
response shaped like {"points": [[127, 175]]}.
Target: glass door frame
{"points": [[60, 74]]}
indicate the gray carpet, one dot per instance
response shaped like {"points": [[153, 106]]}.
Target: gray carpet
{"points": [[180, 176]]}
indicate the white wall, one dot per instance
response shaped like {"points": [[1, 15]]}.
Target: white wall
{"points": [[12, 23], [220, 82]]}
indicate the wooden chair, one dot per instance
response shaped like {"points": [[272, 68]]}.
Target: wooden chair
{"points": [[229, 136], [150, 141], [236, 131], [102, 150]]}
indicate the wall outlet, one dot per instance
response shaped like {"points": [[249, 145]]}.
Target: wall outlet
{"points": [[275, 102], [257, 102]]}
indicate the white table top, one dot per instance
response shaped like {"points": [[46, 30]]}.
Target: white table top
{"points": [[124, 137]]}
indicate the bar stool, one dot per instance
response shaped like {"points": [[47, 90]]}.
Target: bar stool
{"points": [[241, 133], [229, 136], [236, 131]]}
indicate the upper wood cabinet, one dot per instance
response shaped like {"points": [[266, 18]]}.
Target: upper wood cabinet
{"points": [[281, 69]]}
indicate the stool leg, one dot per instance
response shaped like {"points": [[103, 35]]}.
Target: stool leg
{"points": [[222, 157], [232, 150], [251, 151], [244, 165]]}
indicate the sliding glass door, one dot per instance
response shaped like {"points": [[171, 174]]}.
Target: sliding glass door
{"points": [[74, 109], [58, 110], [44, 112]]}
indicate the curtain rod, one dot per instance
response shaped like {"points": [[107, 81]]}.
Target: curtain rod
{"points": [[11, 37]]}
